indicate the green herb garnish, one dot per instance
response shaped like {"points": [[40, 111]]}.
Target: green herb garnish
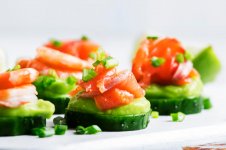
{"points": [[52, 72], [152, 37], [98, 55], [84, 38], [109, 62], [180, 58], [96, 63], [154, 114], [177, 117], [17, 67], [43, 132], [88, 74], [89, 130], [187, 55], [92, 55], [101, 58], [60, 129], [56, 43], [207, 103], [71, 80], [157, 61]]}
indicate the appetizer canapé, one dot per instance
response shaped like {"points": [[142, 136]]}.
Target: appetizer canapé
{"points": [[20, 109], [109, 98], [164, 69], [59, 64]]}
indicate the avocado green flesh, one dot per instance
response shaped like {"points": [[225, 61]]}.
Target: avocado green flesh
{"points": [[41, 108], [190, 90], [48, 86], [207, 64], [87, 105], [60, 103]]}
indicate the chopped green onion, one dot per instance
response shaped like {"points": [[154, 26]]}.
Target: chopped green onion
{"points": [[84, 38], [154, 114], [100, 54], [152, 37], [59, 121], [93, 55], [96, 63], [180, 58], [45, 81], [56, 43], [187, 55], [52, 73], [207, 103], [89, 130], [43, 132], [36, 131], [157, 61], [88, 74], [17, 67], [110, 62], [177, 117], [93, 129], [71, 80], [80, 130], [60, 129]]}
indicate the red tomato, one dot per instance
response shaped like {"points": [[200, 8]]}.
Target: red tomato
{"points": [[169, 72], [17, 78]]}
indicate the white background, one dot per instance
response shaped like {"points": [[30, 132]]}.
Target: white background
{"points": [[106, 17], [116, 25]]}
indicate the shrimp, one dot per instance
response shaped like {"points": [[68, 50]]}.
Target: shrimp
{"points": [[62, 61], [17, 78], [17, 96], [44, 69]]}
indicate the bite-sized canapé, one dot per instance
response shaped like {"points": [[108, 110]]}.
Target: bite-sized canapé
{"points": [[20, 109], [66, 57], [164, 69], [109, 98], [60, 63]]}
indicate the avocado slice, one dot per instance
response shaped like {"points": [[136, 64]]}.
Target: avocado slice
{"points": [[207, 64]]}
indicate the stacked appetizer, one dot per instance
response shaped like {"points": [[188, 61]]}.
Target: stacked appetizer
{"points": [[164, 69], [109, 98], [60, 63], [20, 109]]}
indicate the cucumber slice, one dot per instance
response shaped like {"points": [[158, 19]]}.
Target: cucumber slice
{"points": [[207, 64], [11, 126], [107, 122], [166, 106], [59, 103]]}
